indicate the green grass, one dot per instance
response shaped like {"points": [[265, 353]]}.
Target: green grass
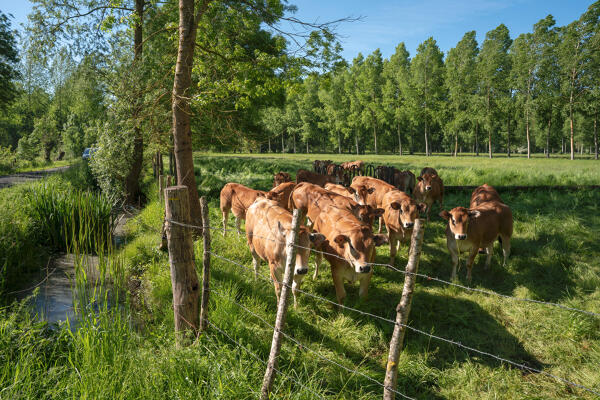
{"points": [[555, 258]]}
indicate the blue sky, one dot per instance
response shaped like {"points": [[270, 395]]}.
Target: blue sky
{"points": [[385, 23]]}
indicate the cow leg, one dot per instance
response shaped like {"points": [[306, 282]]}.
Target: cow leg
{"points": [[453, 249], [338, 283], [394, 244], [296, 286], [318, 259], [505, 248], [363, 289], [238, 222], [470, 260], [276, 280], [225, 215], [255, 263], [381, 223], [490, 252]]}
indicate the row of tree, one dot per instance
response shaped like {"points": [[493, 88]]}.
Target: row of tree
{"points": [[538, 91]]}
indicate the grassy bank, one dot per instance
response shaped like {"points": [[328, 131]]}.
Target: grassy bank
{"points": [[555, 258]]}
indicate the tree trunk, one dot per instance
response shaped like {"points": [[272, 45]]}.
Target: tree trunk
{"points": [[596, 136], [269, 145], [399, 141], [548, 138], [426, 139], [339, 143], [477, 138], [182, 132], [307, 147], [508, 138], [572, 129], [455, 143], [282, 146], [489, 125], [375, 138], [527, 133], [356, 141], [132, 180], [294, 139]]}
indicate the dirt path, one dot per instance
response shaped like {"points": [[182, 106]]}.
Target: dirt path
{"points": [[22, 177]]}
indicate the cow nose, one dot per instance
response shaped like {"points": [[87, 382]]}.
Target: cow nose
{"points": [[364, 270], [461, 237], [409, 224], [428, 188], [301, 271]]}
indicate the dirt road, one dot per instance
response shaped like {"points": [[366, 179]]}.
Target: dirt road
{"points": [[22, 177]]}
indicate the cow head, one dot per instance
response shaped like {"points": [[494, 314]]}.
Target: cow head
{"points": [[361, 192], [304, 241], [458, 220], [367, 214], [426, 180], [357, 246], [408, 211], [280, 178]]}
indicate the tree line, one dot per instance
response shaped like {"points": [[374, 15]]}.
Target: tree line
{"points": [[538, 92]]}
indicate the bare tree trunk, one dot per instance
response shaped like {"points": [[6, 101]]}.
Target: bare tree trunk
{"points": [[132, 180], [294, 138], [548, 138], [269, 145], [572, 128], [375, 138], [339, 143], [399, 140], [307, 147], [356, 141], [282, 145], [477, 138], [508, 138], [489, 125], [527, 133], [596, 136], [182, 132], [426, 139], [455, 143]]}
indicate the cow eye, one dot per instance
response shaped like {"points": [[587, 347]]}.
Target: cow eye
{"points": [[452, 220]]}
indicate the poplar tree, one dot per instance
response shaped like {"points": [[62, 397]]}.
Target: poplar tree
{"points": [[493, 68], [427, 78], [369, 94], [461, 81], [396, 91], [525, 60]]}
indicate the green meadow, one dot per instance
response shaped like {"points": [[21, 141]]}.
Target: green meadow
{"points": [[129, 352]]}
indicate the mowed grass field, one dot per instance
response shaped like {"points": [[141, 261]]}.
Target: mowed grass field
{"points": [[555, 257]]}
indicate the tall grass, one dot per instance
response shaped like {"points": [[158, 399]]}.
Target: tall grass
{"points": [[71, 218]]}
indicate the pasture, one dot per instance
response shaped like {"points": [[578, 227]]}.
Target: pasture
{"points": [[130, 353]]}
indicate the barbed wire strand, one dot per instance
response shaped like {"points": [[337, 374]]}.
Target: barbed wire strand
{"points": [[254, 355], [450, 341], [303, 346], [424, 276]]}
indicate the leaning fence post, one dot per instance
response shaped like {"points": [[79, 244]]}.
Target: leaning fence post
{"points": [[281, 307], [403, 310], [205, 264], [184, 278]]}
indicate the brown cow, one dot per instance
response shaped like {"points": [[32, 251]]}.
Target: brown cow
{"points": [[429, 189], [281, 177], [401, 211], [404, 180], [281, 194], [318, 165], [349, 249], [317, 179], [312, 200], [268, 227], [237, 198], [475, 228], [376, 190], [428, 170], [354, 165], [483, 194]]}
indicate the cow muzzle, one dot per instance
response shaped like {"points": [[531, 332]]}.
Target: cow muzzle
{"points": [[301, 271], [427, 188], [461, 236], [364, 269], [409, 224]]}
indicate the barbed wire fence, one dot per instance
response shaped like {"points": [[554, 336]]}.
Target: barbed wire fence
{"points": [[400, 324]]}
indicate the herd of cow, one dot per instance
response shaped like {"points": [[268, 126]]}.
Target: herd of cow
{"points": [[340, 221]]}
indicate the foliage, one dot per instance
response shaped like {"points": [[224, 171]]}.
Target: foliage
{"points": [[8, 59]]}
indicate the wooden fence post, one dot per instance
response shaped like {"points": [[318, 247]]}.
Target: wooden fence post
{"points": [[205, 265], [281, 307], [184, 278], [403, 310]]}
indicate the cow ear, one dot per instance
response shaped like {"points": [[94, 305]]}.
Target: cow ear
{"points": [[340, 240], [396, 206], [420, 178], [378, 212], [473, 213], [381, 240], [271, 196], [445, 214], [281, 228], [370, 190], [422, 207], [316, 239], [351, 190]]}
